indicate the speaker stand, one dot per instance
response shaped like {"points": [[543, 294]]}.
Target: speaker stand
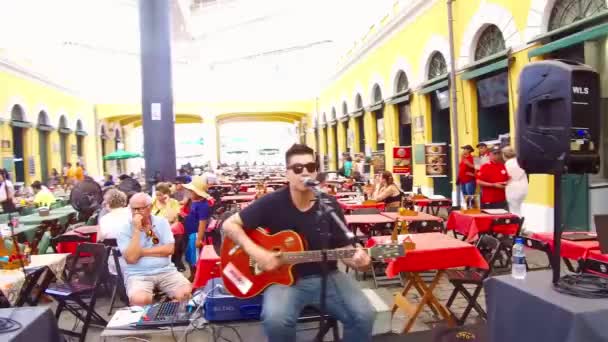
{"points": [[557, 223]]}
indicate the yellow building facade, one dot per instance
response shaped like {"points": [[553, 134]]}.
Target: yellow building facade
{"points": [[43, 126], [400, 73]]}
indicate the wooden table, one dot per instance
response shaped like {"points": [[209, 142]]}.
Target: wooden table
{"points": [[434, 251]]}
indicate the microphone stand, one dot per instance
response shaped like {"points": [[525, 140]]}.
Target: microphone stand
{"points": [[324, 209]]}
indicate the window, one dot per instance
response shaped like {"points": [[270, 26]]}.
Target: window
{"points": [[437, 65], [403, 109], [566, 12], [402, 82], [490, 42]]}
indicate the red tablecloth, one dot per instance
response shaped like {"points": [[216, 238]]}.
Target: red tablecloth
{"points": [[207, 267], [569, 249], [83, 231], [419, 217], [348, 206], [368, 219], [473, 224], [434, 251], [238, 198]]}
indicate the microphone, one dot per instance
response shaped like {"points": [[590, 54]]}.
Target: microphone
{"points": [[311, 183]]}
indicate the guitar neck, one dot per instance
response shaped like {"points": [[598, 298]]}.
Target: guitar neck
{"points": [[316, 256]]}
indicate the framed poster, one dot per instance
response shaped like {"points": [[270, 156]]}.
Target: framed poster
{"points": [[378, 161], [436, 159], [402, 160], [31, 165], [350, 138]]}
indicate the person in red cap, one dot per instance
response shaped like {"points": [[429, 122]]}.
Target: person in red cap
{"points": [[466, 171], [493, 177]]}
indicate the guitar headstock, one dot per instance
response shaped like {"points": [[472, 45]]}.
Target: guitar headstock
{"points": [[387, 251]]}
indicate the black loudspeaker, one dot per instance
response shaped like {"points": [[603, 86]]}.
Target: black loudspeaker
{"points": [[558, 118]]}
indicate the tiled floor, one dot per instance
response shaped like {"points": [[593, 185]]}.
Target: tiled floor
{"points": [[425, 321]]}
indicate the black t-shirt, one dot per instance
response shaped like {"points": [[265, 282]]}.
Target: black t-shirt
{"points": [[276, 212]]}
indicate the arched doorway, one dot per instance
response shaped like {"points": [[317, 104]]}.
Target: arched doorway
{"points": [[80, 134], [403, 110], [579, 198], [19, 125], [64, 131], [378, 109], [333, 126], [492, 89], [44, 128], [347, 134], [360, 122], [440, 119]]}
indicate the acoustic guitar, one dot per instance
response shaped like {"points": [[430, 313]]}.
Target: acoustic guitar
{"points": [[244, 279]]}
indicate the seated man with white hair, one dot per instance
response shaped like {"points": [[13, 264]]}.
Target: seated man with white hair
{"points": [[146, 243]]}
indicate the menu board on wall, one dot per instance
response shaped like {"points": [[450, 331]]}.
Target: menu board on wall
{"points": [[402, 160], [31, 165], [436, 159], [378, 161]]}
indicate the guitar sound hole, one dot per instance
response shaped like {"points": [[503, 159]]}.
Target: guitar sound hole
{"points": [[276, 249]]}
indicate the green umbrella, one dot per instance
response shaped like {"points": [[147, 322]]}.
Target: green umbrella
{"points": [[121, 154]]}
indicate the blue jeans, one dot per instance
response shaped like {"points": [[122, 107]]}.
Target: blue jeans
{"points": [[468, 188], [345, 302]]}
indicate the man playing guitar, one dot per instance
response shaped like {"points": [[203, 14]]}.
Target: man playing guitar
{"points": [[294, 208]]}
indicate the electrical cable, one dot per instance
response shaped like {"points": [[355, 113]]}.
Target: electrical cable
{"points": [[199, 305], [583, 285]]}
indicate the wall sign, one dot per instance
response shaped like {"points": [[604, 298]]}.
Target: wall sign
{"points": [[5, 144], [402, 160], [155, 111], [436, 159], [31, 166], [419, 123], [74, 149], [378, 161]]}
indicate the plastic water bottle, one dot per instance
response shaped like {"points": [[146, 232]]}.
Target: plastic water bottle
{"points": [[518, 267]]}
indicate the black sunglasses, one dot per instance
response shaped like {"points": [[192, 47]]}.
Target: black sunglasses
{"points": [[299, 168]]}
